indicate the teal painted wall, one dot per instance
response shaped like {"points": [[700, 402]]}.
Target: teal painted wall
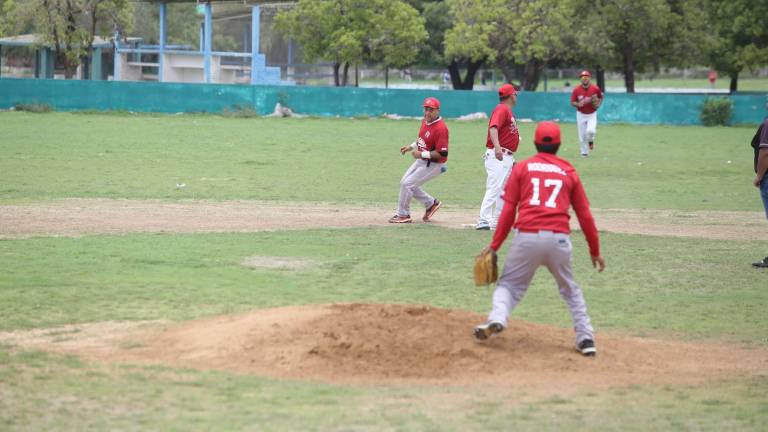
{"points": [[639, 108]]}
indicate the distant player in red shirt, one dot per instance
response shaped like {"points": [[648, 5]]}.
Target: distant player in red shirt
{"points": [[431, 153], [539, 192], [587, 98], [501, 144]]}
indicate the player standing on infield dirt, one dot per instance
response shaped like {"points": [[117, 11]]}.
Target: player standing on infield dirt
{"points": [[541, 189], [501, 144], [431, 153], [587, 99]]}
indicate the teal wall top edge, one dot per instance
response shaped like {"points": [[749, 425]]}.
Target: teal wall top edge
{"points": [[638, 108]]}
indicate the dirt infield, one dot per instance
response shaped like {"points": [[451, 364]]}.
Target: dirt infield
{"points": [[373, 344], [397, 344], [75, 217]]}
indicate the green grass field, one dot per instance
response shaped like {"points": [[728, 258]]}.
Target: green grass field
{"points": [[690, 289]]}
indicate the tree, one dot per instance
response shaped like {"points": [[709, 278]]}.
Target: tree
{"points": [[591, 45], [531, 35], [634, 35], [741, 40], [348, 32], [467, 42], [436, 24], [70, 26], [398, 35], [518, 36]]}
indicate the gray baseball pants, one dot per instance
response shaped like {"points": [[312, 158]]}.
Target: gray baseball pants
{"points": [[527, 252], [410, 185]]}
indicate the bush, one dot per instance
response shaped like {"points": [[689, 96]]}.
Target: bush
{"points": [[34, 108], [240, 111], [716, 111]]}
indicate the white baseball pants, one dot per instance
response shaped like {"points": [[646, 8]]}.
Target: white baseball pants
{"points": [[526, 253], [498, 171], [587, 125], [410, 185]]}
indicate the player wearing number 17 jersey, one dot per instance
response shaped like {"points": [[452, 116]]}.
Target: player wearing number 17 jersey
{"points": [[537, 196]]}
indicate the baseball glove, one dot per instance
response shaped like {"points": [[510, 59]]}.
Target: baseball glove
{"points": [[486, 269]]}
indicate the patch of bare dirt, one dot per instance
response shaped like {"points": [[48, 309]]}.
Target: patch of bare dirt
{"points": [[398, 344], [271, 262], [76, 217]]}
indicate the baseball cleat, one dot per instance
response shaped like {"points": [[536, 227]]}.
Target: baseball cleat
{"points": [[400, 219], [484, 331], [432, 210], [761, 264], [587, 348], [482, 227], [591, 145]]}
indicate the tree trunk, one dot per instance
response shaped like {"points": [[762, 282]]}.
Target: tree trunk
{"points": [[357, 76], [734, 82], [507, 71], [345, 78], [532, 75], [386, 76], [336, 67], [629, 68], [600, 72], [469, 79]]}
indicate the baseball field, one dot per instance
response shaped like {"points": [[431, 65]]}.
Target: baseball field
{"points": [[203, 272]]}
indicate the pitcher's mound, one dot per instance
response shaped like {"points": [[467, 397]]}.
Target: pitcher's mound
{"points": [[402, 344]]}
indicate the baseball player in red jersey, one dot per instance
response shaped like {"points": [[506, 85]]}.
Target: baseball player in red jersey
{"points": [[539, 192], [431, 154], [587, 99], [501, 144]]}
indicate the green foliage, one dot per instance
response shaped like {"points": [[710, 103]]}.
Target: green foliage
{"points": [[69, 26], [520, 37], [469, 37], [635, 35], [240, 111], [33, 108], [741, 36], [716, 111], [389, 32]]}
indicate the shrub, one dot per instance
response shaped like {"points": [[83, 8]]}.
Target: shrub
{"points": [[34, 108], [716, 111], [240, 111]]}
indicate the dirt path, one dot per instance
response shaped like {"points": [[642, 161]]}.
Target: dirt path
{"points": [[398, 344], [75, 217]]}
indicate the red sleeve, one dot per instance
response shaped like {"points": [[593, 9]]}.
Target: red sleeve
{"points": [[497, 119], [580, 205], [441, 144], [599, 92], [573, 95], [509, 211]]}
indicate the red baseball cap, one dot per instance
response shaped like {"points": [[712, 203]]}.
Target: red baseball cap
{"points": [[432, 103], [507, 90], [547, 132], [585, 73]]}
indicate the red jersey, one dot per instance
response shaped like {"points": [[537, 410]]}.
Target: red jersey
{"points": [[580, 93], [504, 121], [541, 189], [433, 137]]}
